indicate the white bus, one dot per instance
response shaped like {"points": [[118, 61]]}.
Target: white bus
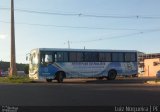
{"points": [[57, 64]]}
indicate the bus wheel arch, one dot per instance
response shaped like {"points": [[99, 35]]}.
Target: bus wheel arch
{"points": [[112, 74], [60, 75]]}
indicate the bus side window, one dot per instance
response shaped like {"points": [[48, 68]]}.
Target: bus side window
{"points": [[130, 57], [72, 56], [117, 57], [105, 57], [62, 57], [80, 57], [65, 56], [59, 56], [48, 58], [55, 57]]}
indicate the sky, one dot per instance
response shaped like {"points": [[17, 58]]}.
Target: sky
{"points": [[93, 24]]}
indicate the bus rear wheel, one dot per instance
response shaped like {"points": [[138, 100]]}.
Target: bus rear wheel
{"points": [[112, 75], [60, 77]]}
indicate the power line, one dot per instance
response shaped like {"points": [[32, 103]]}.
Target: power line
{"points": [[98, 39], [75, 27], [116, 37], [108, 38], [85, 15]]}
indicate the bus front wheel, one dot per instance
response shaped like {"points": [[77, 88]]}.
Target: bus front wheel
{"points": [[112, 75], [60, 77]]}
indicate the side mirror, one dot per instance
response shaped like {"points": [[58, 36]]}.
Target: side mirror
{"points": [[28, 56]]}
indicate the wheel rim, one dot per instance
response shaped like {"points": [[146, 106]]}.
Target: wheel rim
{"points": [[112, 75], [60, 77]]}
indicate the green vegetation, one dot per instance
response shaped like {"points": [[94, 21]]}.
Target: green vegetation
{"points": [[15, 79], [20, 67]]}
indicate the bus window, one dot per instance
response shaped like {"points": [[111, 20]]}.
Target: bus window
{"points": [[72, 56], [75, 56], [133, 57], [79, 56], [62, 57], [65, 56], [130, 57], [48, 58], [91, 57], [87, 56], [117, 57], [104, 57]]}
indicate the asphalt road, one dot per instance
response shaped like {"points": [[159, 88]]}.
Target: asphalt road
{"points": [[81, 92]]}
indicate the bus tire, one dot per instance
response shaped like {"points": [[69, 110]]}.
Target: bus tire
{"points": [[60, 77], [112, 75], [49, 80]]}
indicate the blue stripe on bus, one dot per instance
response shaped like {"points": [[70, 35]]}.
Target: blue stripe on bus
{"points": [[80, 69]]}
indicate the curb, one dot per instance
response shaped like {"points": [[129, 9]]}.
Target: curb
{"points": [[153, 82]]}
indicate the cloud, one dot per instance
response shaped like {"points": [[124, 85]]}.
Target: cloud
{"points": [[2, 36]]}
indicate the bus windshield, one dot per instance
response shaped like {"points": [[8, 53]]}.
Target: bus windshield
{"points": [[34, 59]]}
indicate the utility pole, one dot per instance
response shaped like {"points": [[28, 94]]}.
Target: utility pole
{"points": [[12, 70], [68, 44]]}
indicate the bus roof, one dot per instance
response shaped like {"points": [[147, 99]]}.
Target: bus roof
{"points": [[83, 50]]}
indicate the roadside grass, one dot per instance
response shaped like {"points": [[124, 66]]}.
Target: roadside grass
{"points": [[15, 79]]}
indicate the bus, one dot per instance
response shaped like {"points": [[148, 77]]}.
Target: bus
{"points": [[59, 63]]}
